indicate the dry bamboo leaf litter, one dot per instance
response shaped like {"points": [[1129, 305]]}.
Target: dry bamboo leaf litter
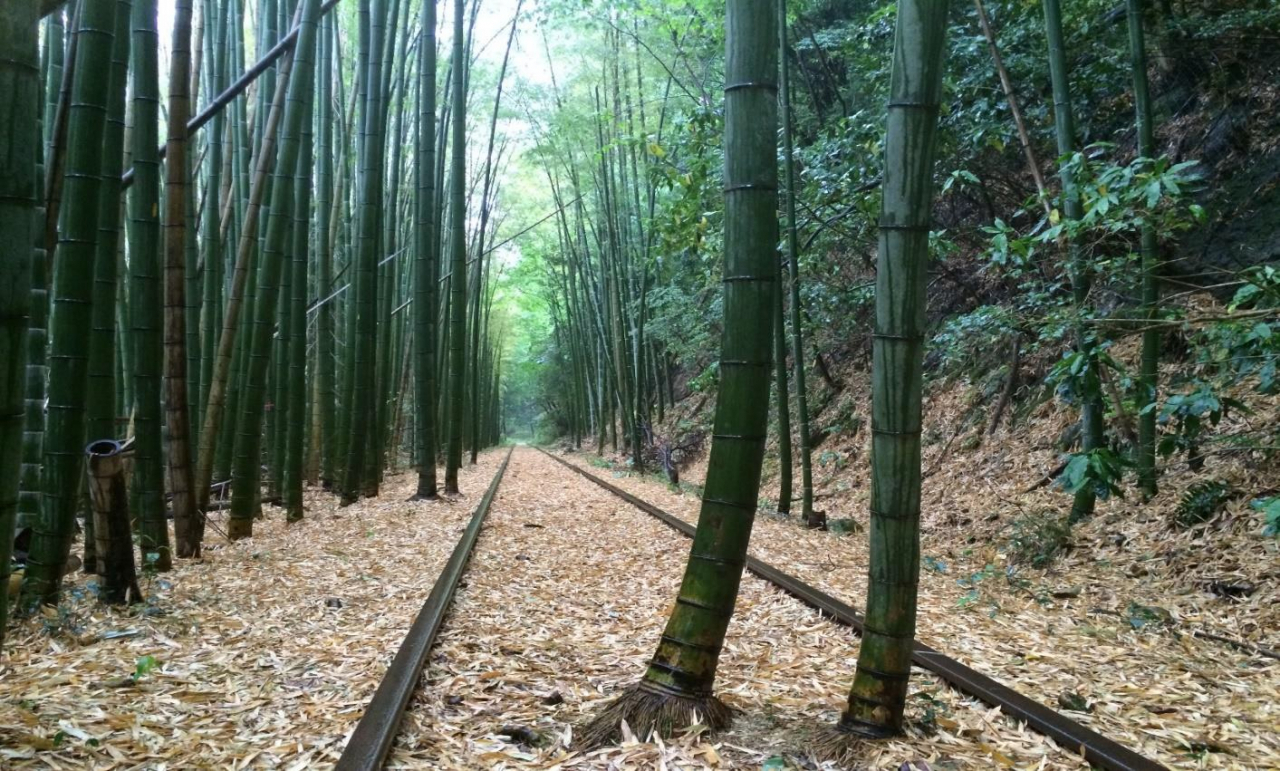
{"points": [[1110, 623], [266, 650], [561, 607]]}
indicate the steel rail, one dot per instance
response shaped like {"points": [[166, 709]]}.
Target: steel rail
{"points": [[1089, 744], [375, 734]]}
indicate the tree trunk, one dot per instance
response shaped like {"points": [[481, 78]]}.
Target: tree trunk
{"points": [[458, 259], [100, 405], [188, 524], [681, 674], [878, 697], [296, 390], [1064, 129], [793, 267], [426, 264], [363, 409], [1149, 369], [147, 318], [71, 317], [19, 150]]}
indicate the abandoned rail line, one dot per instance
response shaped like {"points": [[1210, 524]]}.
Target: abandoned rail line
{"points": [[375, 734], [1089, 744]]}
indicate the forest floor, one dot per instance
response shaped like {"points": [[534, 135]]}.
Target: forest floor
{"points": [[561, 608], [1105, 633], [265, 651]]}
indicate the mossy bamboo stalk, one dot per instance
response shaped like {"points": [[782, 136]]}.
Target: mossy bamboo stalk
{"points": [[878, 697], [71, 315], [681, 674], [19, 149]]}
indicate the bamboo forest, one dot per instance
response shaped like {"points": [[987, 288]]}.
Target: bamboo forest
{"points": [[640, 384]]}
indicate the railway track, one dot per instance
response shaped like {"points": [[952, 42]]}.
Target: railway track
{"points": [[1095, 748], [375, 734]]}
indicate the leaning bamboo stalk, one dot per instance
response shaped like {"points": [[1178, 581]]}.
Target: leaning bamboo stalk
{"points": [[259, 342], [878, 697], [245, 249], [1024, 138], [285, 45], [681, 675]]}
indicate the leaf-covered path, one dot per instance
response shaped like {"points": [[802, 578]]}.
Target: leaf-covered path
{"points": [[1184, 702], [265, 652], [562, 604]]}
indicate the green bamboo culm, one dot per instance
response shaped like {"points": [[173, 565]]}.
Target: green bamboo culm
{"points": [[363, 409], [878, 697], [100, 401], [19, 149], [146, 315], [211, 242], [426, 262], [1148, 373], [70, 320], [679, 679], [296, 391], [37, 332], [323, 409], [1064, 131], [793, 270], [458, 259], [188, 524], [782, 402], [248, 440]]}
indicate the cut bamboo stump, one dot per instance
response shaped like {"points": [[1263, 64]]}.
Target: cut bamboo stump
{"points": [[117, 573]]}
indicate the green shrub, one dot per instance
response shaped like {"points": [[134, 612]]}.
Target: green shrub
{"points": [[1038, 539], [1270, 508], [1200, 503]]}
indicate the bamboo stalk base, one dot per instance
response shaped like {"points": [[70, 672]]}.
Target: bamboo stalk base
{"points": [[238, 528], [648, 709], [845, 744]]}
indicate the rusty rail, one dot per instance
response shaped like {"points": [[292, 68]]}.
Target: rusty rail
{"points": [[375, 734], [1089, 744]]}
